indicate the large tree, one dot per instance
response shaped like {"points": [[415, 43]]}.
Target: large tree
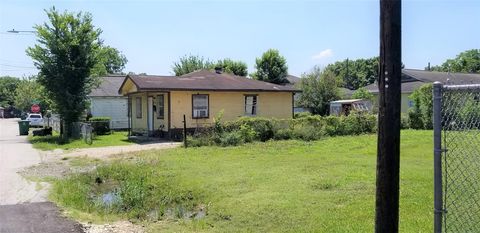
{"points": [[465, 62], [8, 85], [65, 55], [318, 89], [271, 67], [234, 67], [190, 63], [355, 73]]}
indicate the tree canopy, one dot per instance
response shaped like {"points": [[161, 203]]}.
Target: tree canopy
{"points": [[362, 93], [271, 67], [234, 67], [65, 54], [318, 89], [190, 63], [110, 61], [355, 73], [8, 85], [465, 62], [29, 92]]}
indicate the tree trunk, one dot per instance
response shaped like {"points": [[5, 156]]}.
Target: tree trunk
{"points": [[388, 153]]}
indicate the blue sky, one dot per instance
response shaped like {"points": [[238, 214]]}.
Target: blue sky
{"points": [[153, 34]]}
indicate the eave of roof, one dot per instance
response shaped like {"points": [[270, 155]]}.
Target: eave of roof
{"points": [[203, 81]]}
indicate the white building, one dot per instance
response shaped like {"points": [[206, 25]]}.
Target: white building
{"points": [[106, 102]]}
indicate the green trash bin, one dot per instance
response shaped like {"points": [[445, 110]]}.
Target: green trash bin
{"points": [[23, 127]]}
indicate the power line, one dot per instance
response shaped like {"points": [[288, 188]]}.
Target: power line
{"points": [[27, 67]]}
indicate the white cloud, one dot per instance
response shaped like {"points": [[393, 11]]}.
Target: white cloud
{"points": [[323, 54]]}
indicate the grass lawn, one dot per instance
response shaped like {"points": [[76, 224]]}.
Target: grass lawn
{"points": [[117, 138], [278, 186]]}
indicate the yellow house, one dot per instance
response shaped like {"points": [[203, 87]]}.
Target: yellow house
{"points": [[157, 104]]}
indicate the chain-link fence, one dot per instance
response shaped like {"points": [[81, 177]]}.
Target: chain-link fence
{"points": [[457, 157]]}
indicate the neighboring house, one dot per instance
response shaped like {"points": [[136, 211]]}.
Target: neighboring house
{"points": [[413, 79], [159, 103], [107, 102]]}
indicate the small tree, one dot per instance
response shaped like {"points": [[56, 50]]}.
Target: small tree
{"points": [[318, 89], [65, 55], [362, 93], [191, 63], [234, 67], [271, 67], [421, 114]]}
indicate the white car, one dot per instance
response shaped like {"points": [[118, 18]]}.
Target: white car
{"points": [[35, 119]]}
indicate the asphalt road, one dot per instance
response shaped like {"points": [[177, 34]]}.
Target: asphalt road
{"points": [[23, 206]]}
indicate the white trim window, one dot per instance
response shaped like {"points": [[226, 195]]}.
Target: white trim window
{"points": [[251, 105], [161, 107], [200, 106]]}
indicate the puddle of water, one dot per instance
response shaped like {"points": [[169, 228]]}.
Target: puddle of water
{"points": [[109, 199]]}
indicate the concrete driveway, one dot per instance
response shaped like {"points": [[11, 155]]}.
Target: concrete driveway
{"points": [[23, 204]]}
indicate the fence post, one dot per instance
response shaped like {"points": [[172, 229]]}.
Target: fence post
{"points": [[437, 159], [185, 131]]}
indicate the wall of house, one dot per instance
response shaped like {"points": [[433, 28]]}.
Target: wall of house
{"points": [[269, 104], [405, 102], [113, 107], [139, 125]]}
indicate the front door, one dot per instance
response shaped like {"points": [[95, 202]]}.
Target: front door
{"points": [[150, 115]]}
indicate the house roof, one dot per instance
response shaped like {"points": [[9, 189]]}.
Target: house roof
{"points": [[109, 86], [413, 79], [443, 77], [407, 87], [293, 79], [203, 80]]}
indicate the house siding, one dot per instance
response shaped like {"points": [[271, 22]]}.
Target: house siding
{"points": [[404, 104], [113, 107], [269, 104]]}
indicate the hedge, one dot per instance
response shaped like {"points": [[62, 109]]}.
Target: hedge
{"points": [[306, 127]]}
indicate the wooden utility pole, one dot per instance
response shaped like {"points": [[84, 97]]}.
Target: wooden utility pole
{"points": [[389, 84]]}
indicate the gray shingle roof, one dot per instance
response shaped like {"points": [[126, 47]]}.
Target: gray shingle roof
{"points": [[109, 86], [413, 79], [205, 80]]}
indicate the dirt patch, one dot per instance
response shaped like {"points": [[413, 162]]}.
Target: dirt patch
{"points": [[53, 170], [116, 227]]}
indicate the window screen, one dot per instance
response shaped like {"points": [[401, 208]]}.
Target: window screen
{"points": [[161, 107], [200, 106], [251, 105]]}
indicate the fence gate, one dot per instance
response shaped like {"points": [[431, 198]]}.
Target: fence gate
{"points": [[456, 120]]}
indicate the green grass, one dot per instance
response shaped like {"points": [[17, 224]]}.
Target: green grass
{"points": [[278, 186], [117, 138]]}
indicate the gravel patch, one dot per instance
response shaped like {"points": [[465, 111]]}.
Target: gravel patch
{"points": [[116, 227]]}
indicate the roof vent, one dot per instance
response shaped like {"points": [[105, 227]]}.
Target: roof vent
{"points": [[218, 70]]}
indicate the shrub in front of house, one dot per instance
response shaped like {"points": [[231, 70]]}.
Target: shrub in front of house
{"points": [[306, 128], [101, 125]]}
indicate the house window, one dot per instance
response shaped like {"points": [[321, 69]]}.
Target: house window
{"points": [[200, 106], [161, 107], [250, 105], [138, 107]]}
